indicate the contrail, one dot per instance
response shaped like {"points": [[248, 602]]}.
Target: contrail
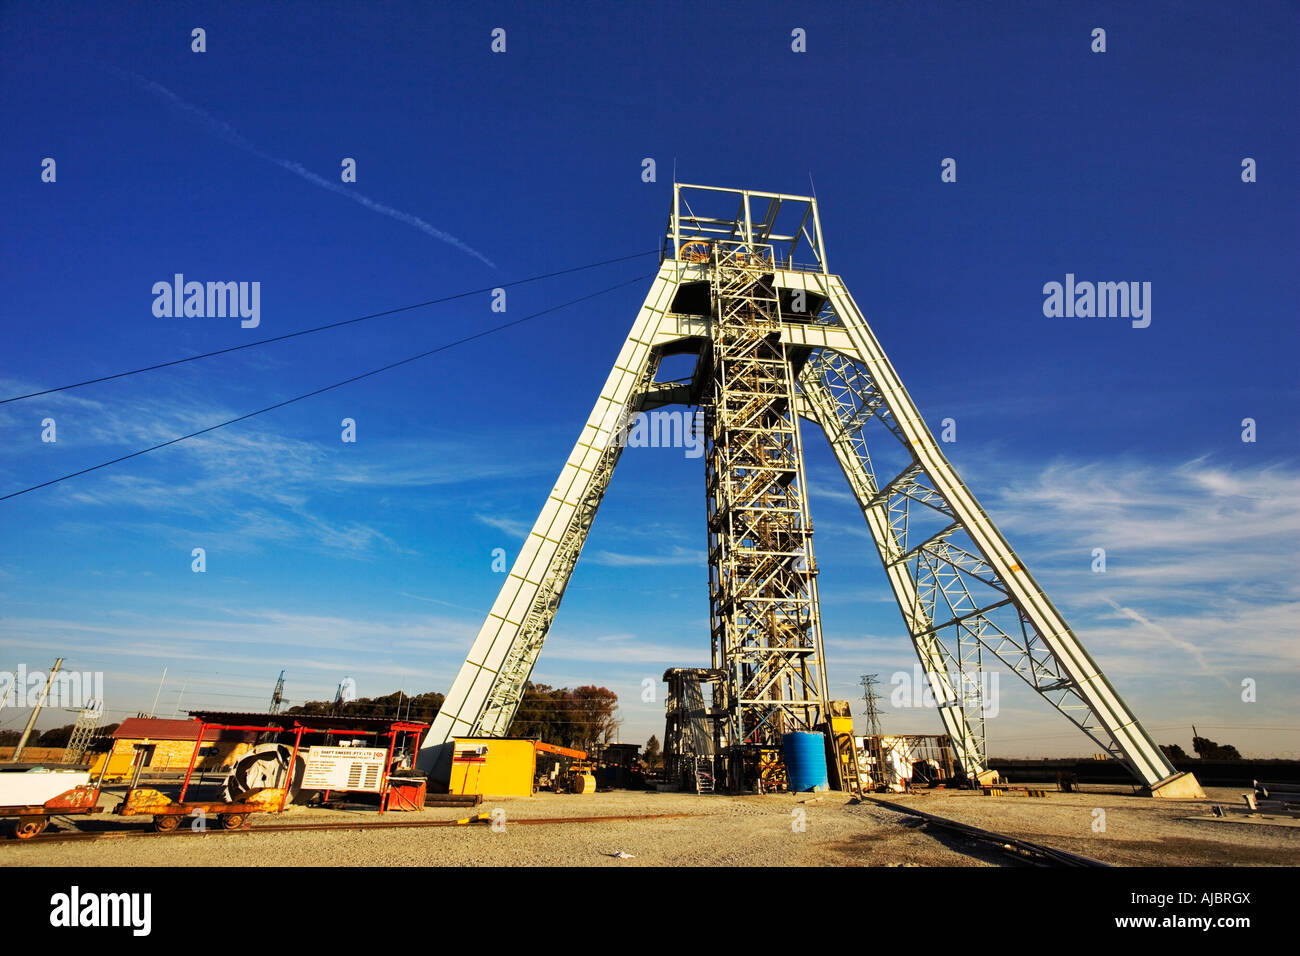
{"points": [[1178, 642], [226, 132]]}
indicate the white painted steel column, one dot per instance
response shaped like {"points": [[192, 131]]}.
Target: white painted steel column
{"points": [[1146, 760], [536, 583]]}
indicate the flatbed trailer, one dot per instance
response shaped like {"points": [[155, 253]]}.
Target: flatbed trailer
{"points": [[32, 819], [168, 813]]}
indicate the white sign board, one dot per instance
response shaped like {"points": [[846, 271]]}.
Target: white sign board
{"points": [[344, 768]]}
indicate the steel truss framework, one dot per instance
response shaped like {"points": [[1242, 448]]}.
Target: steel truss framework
{"points": [[690, 739], [765, 630], [779, 339], [84, 731]]}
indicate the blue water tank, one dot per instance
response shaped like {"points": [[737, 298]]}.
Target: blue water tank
{"points": [[805, 761]]}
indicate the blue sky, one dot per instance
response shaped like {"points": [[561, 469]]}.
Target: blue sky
{"points": [[373, 559]]}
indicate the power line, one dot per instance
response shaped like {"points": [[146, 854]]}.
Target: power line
{"points": [[321, 328], [327, 388]]}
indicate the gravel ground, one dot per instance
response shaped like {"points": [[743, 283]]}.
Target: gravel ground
{"points": [[720, 831], [1138, 831]]}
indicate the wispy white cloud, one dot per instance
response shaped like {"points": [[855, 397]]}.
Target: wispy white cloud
{"points": [[1183, 645], [137, 634], [621, 649], [1193, 506], [243, 487], [677, 555], [511, 526], [438, 601]]}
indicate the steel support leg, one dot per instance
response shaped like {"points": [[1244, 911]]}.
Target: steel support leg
{"points": [[487, 690]]}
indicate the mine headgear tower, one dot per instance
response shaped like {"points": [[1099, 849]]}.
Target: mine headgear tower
{"points": [[744, 285]]}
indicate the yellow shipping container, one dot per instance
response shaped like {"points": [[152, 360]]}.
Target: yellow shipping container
{"points": [[493, 766]]}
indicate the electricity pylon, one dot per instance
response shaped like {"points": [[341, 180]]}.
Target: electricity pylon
{"points": [[744, 285], [871, 715], [277, 696], [83, 731]]}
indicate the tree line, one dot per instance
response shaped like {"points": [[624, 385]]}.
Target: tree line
{"points": [[1206, 749], [579, 717], [421, 708]]}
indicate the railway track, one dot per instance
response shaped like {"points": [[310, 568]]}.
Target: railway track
{"points": [[1025, 851], [480, 819]]}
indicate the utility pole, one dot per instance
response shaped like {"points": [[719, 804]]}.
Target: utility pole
{"points": [[31, 721], [153, 711]]}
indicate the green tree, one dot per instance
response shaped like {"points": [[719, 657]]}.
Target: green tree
{"points": [[580, 718], [653, 755], [539, 715], [421, 708], [594, 711]]}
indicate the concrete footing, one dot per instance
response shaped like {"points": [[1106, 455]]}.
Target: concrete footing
{"points": [[1181, 786]]}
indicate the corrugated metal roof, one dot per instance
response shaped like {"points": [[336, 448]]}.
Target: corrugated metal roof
{"points": [[317, 721], [157, 728]]}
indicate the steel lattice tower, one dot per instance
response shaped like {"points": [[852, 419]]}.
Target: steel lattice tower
{"points": [[83, 732], [766, 632], [744, 284]]}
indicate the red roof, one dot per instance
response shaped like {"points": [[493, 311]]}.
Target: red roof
{"points": [[157, 728]]}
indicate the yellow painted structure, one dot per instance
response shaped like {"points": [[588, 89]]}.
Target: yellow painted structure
{"points": [[493, 766], [840, 719]]}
